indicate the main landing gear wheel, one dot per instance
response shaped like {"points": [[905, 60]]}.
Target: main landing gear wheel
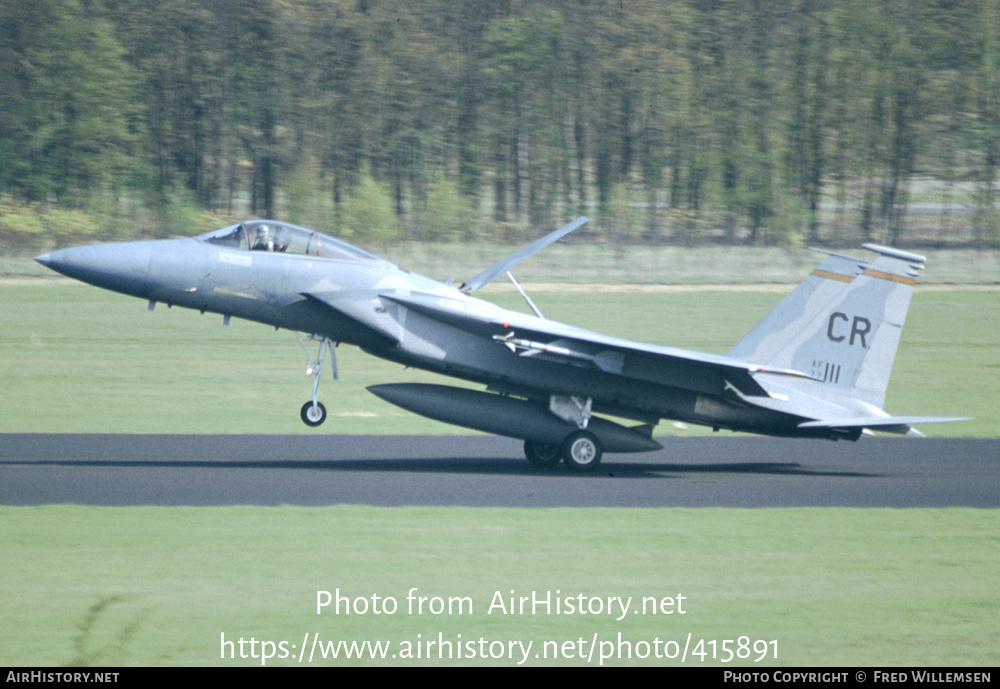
{"points": [[313, 414], [582, 451], [542, 455]]}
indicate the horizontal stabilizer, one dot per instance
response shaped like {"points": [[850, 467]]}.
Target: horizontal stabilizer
{"points": [[888, 424]]}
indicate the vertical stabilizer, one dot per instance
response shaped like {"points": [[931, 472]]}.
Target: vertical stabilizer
{"points": [[826, 283], [843, 335]]}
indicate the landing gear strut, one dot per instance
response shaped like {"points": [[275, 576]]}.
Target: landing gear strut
{"points": [[313, 412]]}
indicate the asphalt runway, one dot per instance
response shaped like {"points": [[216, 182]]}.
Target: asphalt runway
{"points": [[734, 471]]}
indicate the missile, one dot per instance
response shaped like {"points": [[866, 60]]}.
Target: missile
{"points": [[507, 416], [607, 361]]}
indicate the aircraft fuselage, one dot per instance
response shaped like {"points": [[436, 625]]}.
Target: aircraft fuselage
{"points": [[271, 287], [817, 366]]}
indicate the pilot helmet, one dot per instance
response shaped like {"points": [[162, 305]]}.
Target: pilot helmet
{"points": [[264, 239]]}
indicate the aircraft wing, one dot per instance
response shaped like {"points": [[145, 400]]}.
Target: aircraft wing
{"points": [[530, 336]]}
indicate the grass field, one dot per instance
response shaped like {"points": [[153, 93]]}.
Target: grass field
{"points": [[160, 586], [77, 359], [152, 586]]}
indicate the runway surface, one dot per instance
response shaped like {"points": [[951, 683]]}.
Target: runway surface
{"points": [[732, 471]]}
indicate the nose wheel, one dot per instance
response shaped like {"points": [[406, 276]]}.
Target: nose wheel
{"points": [[313, 412]]}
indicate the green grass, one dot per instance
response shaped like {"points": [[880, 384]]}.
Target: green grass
{"points": [[153, 585], [78, 359]]}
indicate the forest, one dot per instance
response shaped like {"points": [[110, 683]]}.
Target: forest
{"points": [[690, 122]]}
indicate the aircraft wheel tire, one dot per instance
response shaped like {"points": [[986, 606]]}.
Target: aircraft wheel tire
{"points": [[542, 455], [582, 451], [313, 415]]}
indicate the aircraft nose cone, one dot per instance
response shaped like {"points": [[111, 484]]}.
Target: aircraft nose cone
{"points": [[119, 267]]}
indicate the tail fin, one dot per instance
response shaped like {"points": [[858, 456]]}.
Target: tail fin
{"points": [[839, 333], [826, 283]]}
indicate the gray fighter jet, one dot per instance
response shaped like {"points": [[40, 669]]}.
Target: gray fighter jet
{"points": [[817, 366]]}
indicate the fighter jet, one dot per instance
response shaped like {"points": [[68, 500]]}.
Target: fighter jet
{"points": [[817, 366]]}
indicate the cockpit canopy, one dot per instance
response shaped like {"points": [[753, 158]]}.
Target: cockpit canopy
{"points": [[280, 237]]}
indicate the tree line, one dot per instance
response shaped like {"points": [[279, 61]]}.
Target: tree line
{"points": [[692, 121]]}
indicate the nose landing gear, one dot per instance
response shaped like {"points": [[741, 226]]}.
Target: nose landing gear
{"points": [[313, 412]]}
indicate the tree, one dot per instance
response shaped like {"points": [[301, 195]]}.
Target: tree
{"points": [[69, 125], [368, 212]]}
